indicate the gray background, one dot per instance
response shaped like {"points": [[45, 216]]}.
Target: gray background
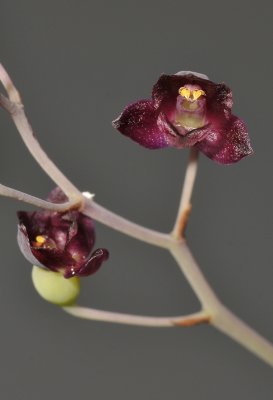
{"points": [[77, 64]]}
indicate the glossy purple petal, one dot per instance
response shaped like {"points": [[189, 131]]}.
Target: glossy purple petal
{"points": [[150, 128], [165, 91], [83, 239], [90, 266], [140, 122], [51, 258], [226, 143], [54, 225], [60, 228], [25, 246]]}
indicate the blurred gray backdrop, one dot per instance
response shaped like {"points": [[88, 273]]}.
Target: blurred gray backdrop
{"points": [[77, 64]]}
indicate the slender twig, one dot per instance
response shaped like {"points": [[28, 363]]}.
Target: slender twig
{"points": [[101, 214], [128, 319], [217, 314], [35, 201], [15, 108], [11, 90], [185, 201]]}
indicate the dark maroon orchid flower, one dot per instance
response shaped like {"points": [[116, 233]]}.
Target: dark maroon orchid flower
{"points": [[186, 110], [61, 242]]}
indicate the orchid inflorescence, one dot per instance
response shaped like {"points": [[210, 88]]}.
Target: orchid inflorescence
{"points": [[186, 110]]}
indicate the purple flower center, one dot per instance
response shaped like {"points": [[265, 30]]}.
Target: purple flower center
{"points": [[190, 110]]}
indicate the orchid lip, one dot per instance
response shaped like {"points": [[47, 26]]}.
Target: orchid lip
{"points": [[191, 106]]}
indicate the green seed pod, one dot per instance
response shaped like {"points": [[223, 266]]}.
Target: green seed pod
{"points": [[53, 287]]}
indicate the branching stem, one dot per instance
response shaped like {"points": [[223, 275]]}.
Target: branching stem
{"points": [[212, 310]]}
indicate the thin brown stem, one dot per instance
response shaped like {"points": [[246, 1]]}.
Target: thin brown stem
{"points": [[185, 201], [128, 319]]}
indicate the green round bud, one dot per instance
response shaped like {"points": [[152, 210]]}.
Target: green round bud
{"points": [[53, 287]]}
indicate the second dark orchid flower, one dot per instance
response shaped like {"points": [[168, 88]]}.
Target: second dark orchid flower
{"points": [[60, 242], [186, 110]]}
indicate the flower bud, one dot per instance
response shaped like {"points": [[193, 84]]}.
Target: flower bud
{"points": [[53, 287], [60, 241]]}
